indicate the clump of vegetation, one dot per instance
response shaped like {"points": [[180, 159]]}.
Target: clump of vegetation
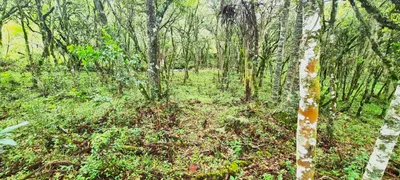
{"points": [[5, 140]]}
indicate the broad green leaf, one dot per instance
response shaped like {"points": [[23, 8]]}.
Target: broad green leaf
{"points": [[11, 128], [8, 142]]}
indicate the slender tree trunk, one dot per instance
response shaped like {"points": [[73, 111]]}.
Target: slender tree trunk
{"points": [[44, 31], [377, 74], [382, 88], [344, 82], [153, 64], [279, 60], [2, 14], [1, 33], [187, 60], [363, 99], [266, 53], [227, 57], [261, 72], [26, 40], [306, 138], [356, 76], [240, 51], [99, 9], [247, 87], [333, 104], [353, 98], [32, 67], [293, 64], [386, 141], [388, 97], [190, 22], [199, 58], [332, 81], [254, 50]]}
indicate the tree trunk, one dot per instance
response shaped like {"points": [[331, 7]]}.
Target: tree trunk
{"points": [[332, 81], [261, 70], [1, 33], [382, 88], [227, 57], [153, 65], [377, 76], [187, 60], [353, 98], [247, 87], [199, 58], [386, 141], [363, 98], [306, 138], [279, 60], [99, 9], [254, 49], [43, 31], [219, 54], [293, 64], [32, 67]]}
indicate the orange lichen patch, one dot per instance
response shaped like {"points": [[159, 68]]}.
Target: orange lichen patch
{"points": [[312, 66], [311, 113], [305, 164]]}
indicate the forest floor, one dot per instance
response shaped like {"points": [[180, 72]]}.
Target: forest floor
{"points": [[91, 132]]}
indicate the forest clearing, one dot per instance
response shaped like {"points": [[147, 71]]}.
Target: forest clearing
{"points": [[199, 89]]}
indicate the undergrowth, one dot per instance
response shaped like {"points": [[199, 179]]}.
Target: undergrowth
{"points": [[88, 132]]}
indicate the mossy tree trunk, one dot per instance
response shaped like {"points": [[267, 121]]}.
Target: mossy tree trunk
{"points": [[153, 64], [227, 57], [189, 30], [1, 33], [332, 81], [32, 66], [99, 9], [309, 95], [254, 48], [293, 64], [279, 59], [247, 87], [47, 35]]}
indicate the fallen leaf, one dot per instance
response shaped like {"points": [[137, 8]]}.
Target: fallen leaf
{"points": [[193, 168]]}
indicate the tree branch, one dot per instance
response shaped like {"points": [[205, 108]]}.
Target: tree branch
{"points": [[48, 13], [160, 14], [374, 12], [374, 44]]}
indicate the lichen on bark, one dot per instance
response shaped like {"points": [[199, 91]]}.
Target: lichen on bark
{"points": [[386, 141], [309, 96]]}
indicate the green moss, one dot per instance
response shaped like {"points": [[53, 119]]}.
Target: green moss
{"points": [[232, 169]]}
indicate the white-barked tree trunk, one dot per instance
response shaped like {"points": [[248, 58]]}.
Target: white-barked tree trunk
{"points": [[386, 141], [309, 94]]}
